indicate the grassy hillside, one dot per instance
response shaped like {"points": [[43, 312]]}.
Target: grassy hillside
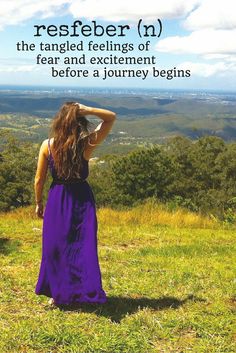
{"points": [[169, 287]]}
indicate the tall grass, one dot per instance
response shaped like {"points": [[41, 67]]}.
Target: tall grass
{"points": [[153, 213], [149, 212]]}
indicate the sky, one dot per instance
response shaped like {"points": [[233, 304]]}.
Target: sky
{"points": [[197, 35]]}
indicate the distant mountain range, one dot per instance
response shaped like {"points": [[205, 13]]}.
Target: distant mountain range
{"points": [[143, 115]]}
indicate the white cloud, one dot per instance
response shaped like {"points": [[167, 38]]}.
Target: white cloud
{"points": [[205, 69], [131, 10], [13, 12], [213, 26], [212, 14], [18, 68], [205, 42], [197, 14]]}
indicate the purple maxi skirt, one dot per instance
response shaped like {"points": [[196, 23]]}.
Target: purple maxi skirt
{"points": [[69, 270]]}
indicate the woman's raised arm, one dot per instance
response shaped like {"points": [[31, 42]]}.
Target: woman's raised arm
{"points": [[102, 130]]}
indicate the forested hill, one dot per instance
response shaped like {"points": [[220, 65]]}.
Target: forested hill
{"points": [[143, 115]]}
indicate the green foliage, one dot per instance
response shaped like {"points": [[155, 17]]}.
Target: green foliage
{"points": [[142, 173], [17, 169], [198, 175], [178, 201], [204, 172], [100, 176], [230, 211]]}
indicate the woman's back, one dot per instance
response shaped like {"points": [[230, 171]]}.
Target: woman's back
{"points": [[84, 168]]}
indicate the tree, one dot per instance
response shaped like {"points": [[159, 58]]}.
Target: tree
{"points": [[17, 169], [141, 174]]}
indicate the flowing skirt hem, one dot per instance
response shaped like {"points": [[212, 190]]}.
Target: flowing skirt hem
{"points": [[100, 298]]}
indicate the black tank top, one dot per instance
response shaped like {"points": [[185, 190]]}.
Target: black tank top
{"points": [[84, 170]]}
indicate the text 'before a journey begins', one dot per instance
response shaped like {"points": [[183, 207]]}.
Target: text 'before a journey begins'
{"points": [[106, 73]]}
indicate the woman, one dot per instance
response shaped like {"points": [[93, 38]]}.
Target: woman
{"points": [[69, 270]]}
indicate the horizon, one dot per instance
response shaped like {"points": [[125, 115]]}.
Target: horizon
{"points": [[70, 87]]}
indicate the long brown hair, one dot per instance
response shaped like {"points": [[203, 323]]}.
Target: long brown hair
{"points": [[71, 133]]}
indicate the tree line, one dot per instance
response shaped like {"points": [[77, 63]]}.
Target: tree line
{"points": [[199, 175]]}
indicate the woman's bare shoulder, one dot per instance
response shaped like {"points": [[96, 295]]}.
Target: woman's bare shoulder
{"points": [[44, 146], [51, 140], [45, 142]]}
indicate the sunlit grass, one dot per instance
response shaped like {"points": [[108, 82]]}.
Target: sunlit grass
{"points": [[168, 276], [152, 214]]}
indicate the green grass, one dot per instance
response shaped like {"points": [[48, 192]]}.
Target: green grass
{"points": [[169, 290]]}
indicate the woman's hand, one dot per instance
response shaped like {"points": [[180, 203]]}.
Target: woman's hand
{"points": [[84, 109], [39, 210]]}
